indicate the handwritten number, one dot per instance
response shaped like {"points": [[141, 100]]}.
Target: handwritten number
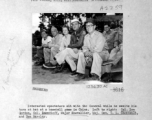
{"points": [[101, 8], [116, 89], [117, 7], [111, 7], [120, 6], [106, 8]]}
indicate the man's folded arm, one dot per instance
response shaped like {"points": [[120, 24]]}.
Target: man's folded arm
{"points": [[79, 44]]}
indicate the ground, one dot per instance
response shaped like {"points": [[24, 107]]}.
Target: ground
{"points": [[45, 76]]}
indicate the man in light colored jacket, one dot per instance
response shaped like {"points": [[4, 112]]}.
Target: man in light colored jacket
{"points": [[53, 48], [94, 47]]}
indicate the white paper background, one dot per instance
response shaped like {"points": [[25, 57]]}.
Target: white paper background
{"points": [[16, 27]]}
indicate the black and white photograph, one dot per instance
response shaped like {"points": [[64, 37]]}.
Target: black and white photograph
{"points": [[66, 60], [77, 48]]}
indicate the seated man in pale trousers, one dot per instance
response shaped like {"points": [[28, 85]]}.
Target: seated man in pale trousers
{"points": [[95, 47], [53, 48], [70, 54]]}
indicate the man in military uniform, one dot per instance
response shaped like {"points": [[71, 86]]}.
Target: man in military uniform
{"points": [[94, 47], [109, 35], [70, 54], [117, 52]]}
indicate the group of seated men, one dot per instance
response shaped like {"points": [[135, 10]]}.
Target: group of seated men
{"points": [[83, 46]]}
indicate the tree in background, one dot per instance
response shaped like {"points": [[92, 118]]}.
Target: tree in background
{"points": [[36, 38], [60, 19]]}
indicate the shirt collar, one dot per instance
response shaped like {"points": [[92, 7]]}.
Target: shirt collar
{"points": [[92, 35]]}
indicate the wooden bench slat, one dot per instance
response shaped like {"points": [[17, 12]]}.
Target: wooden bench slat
{"points": [[107, 63], [119, 69]]}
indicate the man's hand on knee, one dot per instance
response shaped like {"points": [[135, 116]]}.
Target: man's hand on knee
{"points": [[75, 50], [88, 54], [88, 59]]}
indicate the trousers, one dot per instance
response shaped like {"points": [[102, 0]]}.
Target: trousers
{"points": [[40, 53], [69, 56], [49, 54], [116, 55], [96, 67]]}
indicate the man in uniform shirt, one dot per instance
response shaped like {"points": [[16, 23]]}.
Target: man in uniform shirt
{"points": [[109, 36], [53, 48], [95, 47], [117, 53]]}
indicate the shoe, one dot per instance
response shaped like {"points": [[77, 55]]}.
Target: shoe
{"points": [[62, 66], [66, 70], [95, 77], [73, 74], [80, 77], [57, 70], [48, 65], [39, 62], [107, 78]]}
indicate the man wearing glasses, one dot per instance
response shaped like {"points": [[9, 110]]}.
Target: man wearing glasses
{"points": [[94, 48]]}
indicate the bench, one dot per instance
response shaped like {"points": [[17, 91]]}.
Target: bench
{"points": [[117, 68], [114, 69]]}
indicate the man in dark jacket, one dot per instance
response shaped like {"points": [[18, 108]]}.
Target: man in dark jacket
{"points": [[70, 54], [77, 37], [76, 43]]}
